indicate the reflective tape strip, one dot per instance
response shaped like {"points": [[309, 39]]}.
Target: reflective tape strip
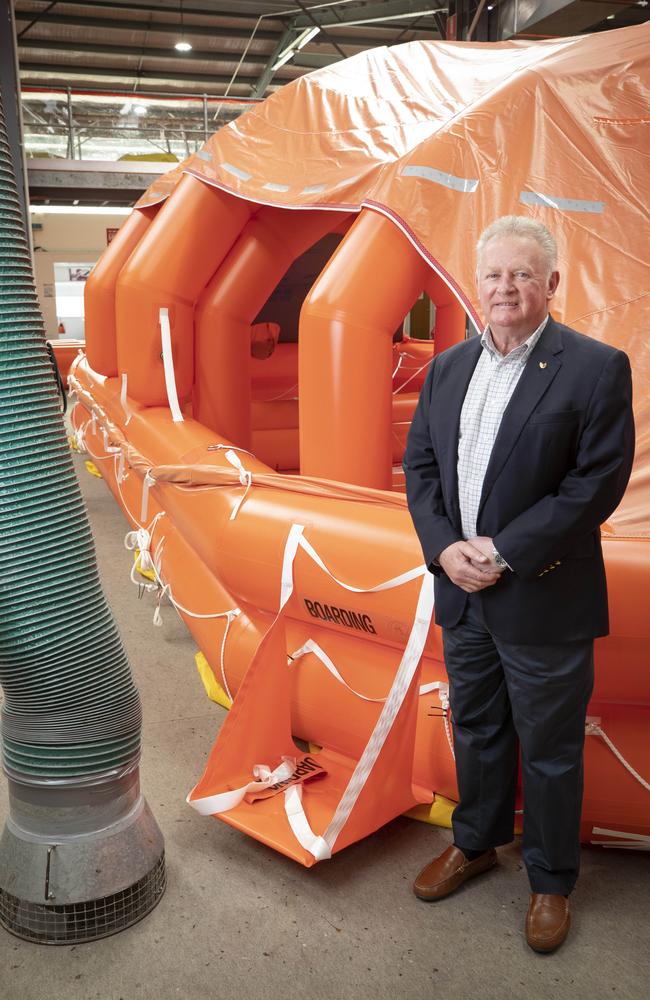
{"points": [[235, 171], [277, 187], [394, 701], [563, 204], [168, 362], [463, 184], [313, 189], [302, 831]]}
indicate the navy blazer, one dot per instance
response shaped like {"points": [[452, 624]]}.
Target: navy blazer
{"points": [[559, 467]]}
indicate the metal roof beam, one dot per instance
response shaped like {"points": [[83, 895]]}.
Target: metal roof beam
{"points": [[164, 27], [372, 13], [138, 51], [266, 75], [210, 31], [552, 17], [157, 8], [120, 73]]}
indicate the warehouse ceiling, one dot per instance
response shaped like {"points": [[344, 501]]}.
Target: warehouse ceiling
{"points": [[105, 79]]}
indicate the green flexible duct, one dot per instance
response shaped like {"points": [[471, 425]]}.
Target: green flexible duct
{"points": [[81, 855], [71, 707]]}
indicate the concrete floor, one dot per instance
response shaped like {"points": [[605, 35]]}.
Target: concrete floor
{"points": [[238, 920]]}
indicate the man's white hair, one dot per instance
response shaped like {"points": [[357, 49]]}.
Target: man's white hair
{"points": [[521, 225]]}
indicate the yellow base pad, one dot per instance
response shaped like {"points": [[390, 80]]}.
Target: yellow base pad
{"points": [[212, 686]]}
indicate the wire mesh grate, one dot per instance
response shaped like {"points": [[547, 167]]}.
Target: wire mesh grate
{"points": [[74, 923]]}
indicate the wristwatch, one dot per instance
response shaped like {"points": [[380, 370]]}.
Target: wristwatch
{"points": [[498, 559]]}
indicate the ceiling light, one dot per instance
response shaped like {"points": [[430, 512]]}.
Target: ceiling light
{"points": [[298, 43], [140, 109], [284, 58], [182, 45], [490, 6], [306, 36]]}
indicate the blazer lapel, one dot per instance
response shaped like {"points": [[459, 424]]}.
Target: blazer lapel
{"points": [[541, 368], [450, 395]]}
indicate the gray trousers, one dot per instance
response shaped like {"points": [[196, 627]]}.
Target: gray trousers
{"points": [[503, 695]]}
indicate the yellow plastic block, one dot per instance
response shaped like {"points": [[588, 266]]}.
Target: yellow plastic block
{"points": [[438, 813], [212, 686], [72, 441], [92, 469]]}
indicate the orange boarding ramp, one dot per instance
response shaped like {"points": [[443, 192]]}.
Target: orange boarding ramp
{"points": [[261, 478]]}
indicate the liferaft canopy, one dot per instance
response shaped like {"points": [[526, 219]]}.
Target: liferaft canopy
{"points": [[444, 137]]}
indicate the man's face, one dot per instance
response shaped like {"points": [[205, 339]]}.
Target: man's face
{"points": [[514, 285]]}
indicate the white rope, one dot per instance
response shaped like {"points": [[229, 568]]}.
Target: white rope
{"points": [[411, 377], [400, 359], [593, 729], [311, 646], [283, 396], [229, 447], [396, 581]]}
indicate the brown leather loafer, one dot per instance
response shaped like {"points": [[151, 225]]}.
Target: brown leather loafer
{"points": [[445, 874], [547, 921]]}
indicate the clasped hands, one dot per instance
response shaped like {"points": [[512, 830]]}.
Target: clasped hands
{"points": [[470, 565]]}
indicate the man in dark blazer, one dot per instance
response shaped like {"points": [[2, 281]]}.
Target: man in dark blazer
{"points": [[520, 447]]}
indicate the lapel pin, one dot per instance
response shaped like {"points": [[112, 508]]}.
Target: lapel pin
{"points": [[543, 364]]}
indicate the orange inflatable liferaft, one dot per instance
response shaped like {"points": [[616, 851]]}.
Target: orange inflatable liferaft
{"points": [[257, 456]]}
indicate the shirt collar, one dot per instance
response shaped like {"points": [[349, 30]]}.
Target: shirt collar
{"points": [[522, 352]]}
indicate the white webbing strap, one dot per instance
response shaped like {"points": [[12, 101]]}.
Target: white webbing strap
{"points": [[406, 670], [628, 841], [124, 402], [224, 801], [168, 363], [299, 823], [146, 486], [245, 478], [400, 686], [79, 438], [141, 540], [291, 547]]}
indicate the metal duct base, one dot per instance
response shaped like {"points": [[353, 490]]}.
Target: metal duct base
{"points": [[74, 923], [99, 868]]}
